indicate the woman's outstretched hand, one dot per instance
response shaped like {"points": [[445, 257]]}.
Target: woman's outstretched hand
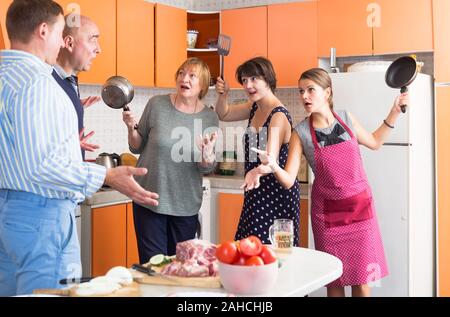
{"points": [[267, 159], [206, 146], [251, 180]]}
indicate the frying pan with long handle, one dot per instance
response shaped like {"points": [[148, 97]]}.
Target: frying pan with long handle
{"points": [[402, 73], [117, 93]]}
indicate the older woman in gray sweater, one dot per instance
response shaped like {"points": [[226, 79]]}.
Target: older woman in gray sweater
{"points": [[169, 141]]}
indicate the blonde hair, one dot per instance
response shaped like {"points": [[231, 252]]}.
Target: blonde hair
{"points": [[202, 70], [320, 77]]}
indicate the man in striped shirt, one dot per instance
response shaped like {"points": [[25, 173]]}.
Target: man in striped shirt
{"points": [[42, 175]]}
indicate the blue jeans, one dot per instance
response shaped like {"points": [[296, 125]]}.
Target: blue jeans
{"points": [[38, 242], [159, 234]]}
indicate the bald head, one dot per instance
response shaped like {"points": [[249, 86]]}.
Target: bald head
{"points": [[74, 22], [81, 44]]}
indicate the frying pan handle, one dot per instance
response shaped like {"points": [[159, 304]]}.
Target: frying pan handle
{"points": [[403, 90], [126, 108]]}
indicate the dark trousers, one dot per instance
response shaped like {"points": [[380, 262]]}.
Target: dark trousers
{"points": [[159, 234]]}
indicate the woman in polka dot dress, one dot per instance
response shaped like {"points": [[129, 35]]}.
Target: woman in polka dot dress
{"points": [[269, 128], [342, 209]]}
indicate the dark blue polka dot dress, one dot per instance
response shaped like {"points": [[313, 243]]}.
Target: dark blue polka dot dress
{"points": [[270, 200]]}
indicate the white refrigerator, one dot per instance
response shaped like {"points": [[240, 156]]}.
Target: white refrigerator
{"points": [[402, 177]]}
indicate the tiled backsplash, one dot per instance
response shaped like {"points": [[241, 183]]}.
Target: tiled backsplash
{"points": [[111, 132]]}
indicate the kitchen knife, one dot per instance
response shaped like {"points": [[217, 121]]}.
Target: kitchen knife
{"points": [[66, 281], [149, 271]]}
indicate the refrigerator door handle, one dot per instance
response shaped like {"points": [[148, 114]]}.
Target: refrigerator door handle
{"points": [[397, 144]]}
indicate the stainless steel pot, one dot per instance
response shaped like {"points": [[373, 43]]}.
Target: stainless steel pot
{"points": [[117, 92], [108, 160]]}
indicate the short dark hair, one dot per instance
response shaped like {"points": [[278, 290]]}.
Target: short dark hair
{"points": [[24, 16], [259, 67]]}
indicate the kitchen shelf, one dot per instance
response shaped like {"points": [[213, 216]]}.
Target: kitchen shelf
{"points": [[202, 49], [202, 12], [207, 23]]}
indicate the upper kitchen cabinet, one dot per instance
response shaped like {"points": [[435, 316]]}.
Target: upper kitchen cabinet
{"points": [[103, 13], [248, 30], [135, 41], [405, 26], [441, 8], [170, 43], [207, 24], [292, 40], [4, 41], [343, 24]]}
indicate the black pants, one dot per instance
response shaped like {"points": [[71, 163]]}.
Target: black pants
{"points": [[159, 234]]}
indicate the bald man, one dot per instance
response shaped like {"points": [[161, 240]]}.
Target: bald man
{"points": [[81, 46]]}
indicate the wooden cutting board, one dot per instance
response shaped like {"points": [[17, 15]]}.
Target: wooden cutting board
{"points": [[132, 290], [204, 282]]}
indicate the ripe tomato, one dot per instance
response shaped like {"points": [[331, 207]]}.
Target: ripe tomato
{"points": [[240, 259], [254, 260], [227, 252], [250, 246], [268, 255]]}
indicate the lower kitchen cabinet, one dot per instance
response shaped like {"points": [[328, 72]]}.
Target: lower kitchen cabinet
{"points": [[113, 240], [132, 249], [304, 218], [229, 211]]}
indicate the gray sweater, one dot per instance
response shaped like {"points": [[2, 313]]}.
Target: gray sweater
{"points": [[170, 154]]}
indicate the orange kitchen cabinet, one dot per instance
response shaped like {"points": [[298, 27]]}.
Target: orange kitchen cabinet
{"points": [[109, 238], [170, 43], [135, 41], [406, 26], [304, 217], [343, 24], [103, 13], [132, 249], [441, 28], [443, 185], [229, 212], [4, 40], [248, 30], [292, 40]]}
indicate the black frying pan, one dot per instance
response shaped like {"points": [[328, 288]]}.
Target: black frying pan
{"points": [[401, 73]]}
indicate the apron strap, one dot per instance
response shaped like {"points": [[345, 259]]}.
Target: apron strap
{"points": [[313, 133]]}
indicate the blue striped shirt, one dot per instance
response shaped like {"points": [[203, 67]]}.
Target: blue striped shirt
{"points": [[39, 141]]}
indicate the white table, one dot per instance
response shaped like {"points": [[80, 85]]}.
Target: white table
{"points": [[301, 273]]}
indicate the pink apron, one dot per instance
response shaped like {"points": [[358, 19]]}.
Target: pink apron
{"points": [[342, 212]]}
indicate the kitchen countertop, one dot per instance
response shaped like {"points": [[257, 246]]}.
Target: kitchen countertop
{"points": [[235, 181], [107, 196]]}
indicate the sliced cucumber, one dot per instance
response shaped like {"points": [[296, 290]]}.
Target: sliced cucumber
{"points": [[157, 259]]}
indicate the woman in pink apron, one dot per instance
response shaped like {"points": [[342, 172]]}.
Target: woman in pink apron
{"points": [[343, 216]]}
